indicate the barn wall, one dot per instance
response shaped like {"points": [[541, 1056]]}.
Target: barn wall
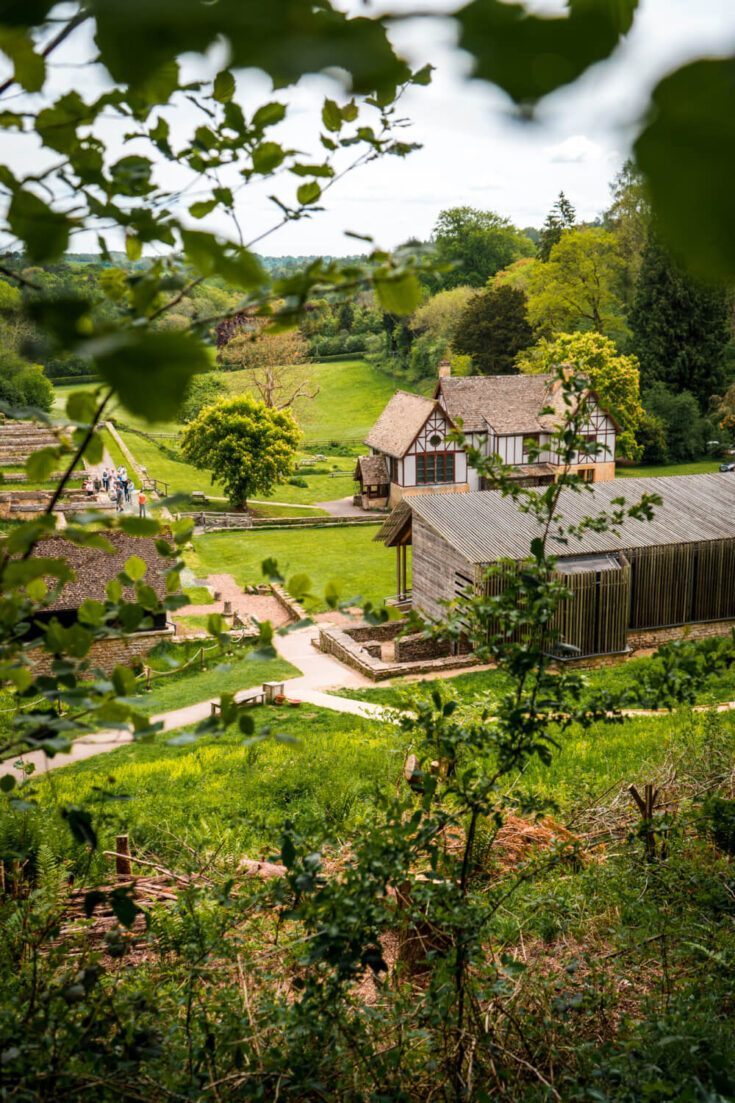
{"points": [[438, 571]]}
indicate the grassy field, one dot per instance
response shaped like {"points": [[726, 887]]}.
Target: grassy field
{"points": [[489, 685], [701, 467], [218, 793], [345, 555], [351, 395], [221, 674]]}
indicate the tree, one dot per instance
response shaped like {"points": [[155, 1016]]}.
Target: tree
{"points": [[478, 244], [516, 275], [679, 327], [247, 446], [201, 391], [493, 329], [578, 287], [23, 384], [686, 430], [614, 378], [439, 316], [562, 216], [274, 362], [628, 218]]}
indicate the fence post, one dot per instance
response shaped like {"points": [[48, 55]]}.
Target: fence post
{"points": [[122, 856]]}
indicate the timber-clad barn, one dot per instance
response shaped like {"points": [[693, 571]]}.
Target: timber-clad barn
{"points": [[646, 576]]}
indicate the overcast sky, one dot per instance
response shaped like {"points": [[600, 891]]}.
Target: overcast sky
{"points": [[473, 152]]}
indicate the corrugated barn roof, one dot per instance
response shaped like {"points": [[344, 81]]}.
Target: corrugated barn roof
{"points": [[485, 526]]}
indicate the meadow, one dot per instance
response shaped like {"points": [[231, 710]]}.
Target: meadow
{"points": [[343, 555]]}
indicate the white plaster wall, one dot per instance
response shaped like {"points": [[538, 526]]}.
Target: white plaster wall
{"points": [[409, 471]]}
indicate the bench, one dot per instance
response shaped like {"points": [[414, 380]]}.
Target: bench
{"points": [[243, 699]]}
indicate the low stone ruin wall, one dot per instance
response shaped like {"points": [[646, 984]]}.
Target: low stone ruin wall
{"points": [[360, 648], [109, 653]]}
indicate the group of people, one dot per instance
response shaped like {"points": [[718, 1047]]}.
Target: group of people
{"points": [[121, 488]]}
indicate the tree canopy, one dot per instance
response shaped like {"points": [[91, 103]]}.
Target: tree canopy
{"points": [[562, 216], [492, 330], [247, 446], [614, 378], [680, 327], [478, 244], [579, 286]]}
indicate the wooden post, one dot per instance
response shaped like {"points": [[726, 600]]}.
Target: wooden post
{"points": [[201, 658], [646, 805], [398, 572], [404, 588], [122, 857]]}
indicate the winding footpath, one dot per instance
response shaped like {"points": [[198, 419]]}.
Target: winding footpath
{"points": [[319, 673]]}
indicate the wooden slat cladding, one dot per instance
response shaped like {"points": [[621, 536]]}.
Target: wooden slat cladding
{"points": [[661, 585], [434, 568], [713, 596], [595, 620]]}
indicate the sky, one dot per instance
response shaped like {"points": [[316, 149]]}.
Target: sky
{"points": [[473, 151]]}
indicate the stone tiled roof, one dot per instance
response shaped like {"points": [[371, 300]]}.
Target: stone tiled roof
{"points": [[94, 567], [372, 470], [400, 423], [505, 403]]}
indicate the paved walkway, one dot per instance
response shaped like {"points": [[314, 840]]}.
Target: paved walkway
{"points": [[345, 507], [319, 672]]}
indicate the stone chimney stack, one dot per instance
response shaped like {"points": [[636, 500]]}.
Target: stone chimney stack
{"points": [[445, 369]]}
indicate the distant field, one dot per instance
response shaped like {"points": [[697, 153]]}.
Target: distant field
{"points": [[346, 556], [351, 395], [701, 467]]}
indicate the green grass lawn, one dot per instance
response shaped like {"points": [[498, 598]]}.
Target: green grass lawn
{"points": [[701, 467], [221, 674], [347, 556]]}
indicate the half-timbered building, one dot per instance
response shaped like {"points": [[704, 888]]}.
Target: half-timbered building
{"points": [[635, 586], [499, 415]]}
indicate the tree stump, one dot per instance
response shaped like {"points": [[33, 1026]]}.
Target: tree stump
{"points": [[122, 856], [418, 938]]}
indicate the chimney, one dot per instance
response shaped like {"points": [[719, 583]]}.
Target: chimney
{"points": [[445, 369]]}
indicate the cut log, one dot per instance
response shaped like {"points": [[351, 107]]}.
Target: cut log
{"points": [[264, 870]]}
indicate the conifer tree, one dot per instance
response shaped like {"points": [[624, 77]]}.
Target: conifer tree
{"points": [[679, 327], [562, 216]]}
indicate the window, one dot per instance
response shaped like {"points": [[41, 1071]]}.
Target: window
{"points": [[588, 438], [434, 467], [588, 474], [534, 440]]}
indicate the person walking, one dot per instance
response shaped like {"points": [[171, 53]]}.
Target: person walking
{"points": [[126, 490], [141, 503], [119, 500], [106, 480]]}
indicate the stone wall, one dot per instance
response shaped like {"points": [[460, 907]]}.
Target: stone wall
{"points": [[109, 653], [344, 646], [413, 648], [641, 638]]}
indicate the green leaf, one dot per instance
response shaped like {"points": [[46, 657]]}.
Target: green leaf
{"points": [[41, 464], [7, 783], [308, 193], [124, 907], [202, 208], [224, 87], [81, 406], [267, 157], [36, 589], [268, 115], [150, 370], [123, 680], [57, 125], [132, 175], [139, 526], [400, 294], [91, 612], [210, 257], [29, 68], [135, 567], [692, 119], [423, 76], [133, 247], [299, 586], [530, 56], [331, 116], [44, 232], [80, 825]]}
